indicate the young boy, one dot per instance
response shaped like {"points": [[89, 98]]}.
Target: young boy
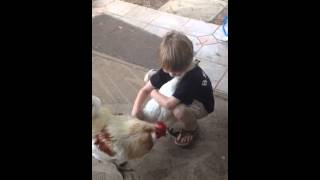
{"points": [[193, 99]]}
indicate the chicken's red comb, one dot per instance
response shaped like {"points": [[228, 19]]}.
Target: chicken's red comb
{"points": [[161, 129], [160, 125]]}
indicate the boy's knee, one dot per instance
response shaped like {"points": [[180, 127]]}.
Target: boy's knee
{"points": [[180, 111]]}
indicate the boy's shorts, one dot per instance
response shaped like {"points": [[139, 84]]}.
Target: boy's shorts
{"points": [[197, 109]]}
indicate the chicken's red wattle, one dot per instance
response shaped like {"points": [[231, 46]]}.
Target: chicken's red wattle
{"points": [[161, 129]]}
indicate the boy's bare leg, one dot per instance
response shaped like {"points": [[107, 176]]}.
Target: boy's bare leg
{"points": [[188, 115], [182, 114]]}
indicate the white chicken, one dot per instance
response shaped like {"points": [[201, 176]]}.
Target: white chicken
{"points": [[153, 111], [118, 138]]}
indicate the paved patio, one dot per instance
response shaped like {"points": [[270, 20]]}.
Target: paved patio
{"points": [[125, 41], [207, 38], [116, 82]]}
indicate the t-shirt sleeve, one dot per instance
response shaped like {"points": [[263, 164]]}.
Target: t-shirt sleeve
{"points": [[159, 78]]}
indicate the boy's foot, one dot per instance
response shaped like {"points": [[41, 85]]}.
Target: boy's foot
{"points": [[185, 137]]}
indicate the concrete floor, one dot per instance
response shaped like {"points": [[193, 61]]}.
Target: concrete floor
{"points": [[112, 36], [204, 10], [116, 82], [117, 78]]}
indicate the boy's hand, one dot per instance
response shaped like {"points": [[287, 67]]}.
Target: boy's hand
{"points": [[141, 97], [153, 93], [134, 114], [164, 101], [138, 115]]}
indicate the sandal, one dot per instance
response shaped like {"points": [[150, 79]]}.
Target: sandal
{"points": [[185, 137], [173, 132]]}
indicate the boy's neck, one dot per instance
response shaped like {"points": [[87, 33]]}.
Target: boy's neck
{"points": [[190, 67]]}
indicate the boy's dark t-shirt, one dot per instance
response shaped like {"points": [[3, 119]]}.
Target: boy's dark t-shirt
{"points": [[194, 85]]}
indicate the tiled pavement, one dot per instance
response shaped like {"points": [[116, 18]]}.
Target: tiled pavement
{"points": [[206, 37], [204, 10]]}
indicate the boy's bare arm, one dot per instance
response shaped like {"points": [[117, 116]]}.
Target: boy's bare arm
{"points": [[141, 97], [164, 101]]}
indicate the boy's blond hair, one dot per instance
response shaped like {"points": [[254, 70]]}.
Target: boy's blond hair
{"points": [[176, 51]]}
